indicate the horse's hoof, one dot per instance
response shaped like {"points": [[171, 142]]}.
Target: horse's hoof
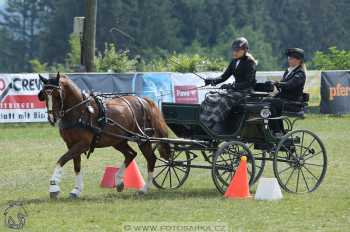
{"points": [[73, 196], [141, 193], [120, 187], [54, 195]]}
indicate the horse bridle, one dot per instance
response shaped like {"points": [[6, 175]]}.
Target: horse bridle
{"points": [[62, 112]]}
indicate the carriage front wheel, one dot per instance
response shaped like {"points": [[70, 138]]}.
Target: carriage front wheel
{"points": [[226, 162], [300, 161], [172, 173]]}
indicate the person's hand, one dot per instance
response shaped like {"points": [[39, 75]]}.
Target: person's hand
{"points": [[277, 84]]}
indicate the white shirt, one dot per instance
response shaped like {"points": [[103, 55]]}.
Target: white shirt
{"points": [[290, 70], [237, 63]]}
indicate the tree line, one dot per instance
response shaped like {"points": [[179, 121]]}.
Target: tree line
{"points": [[38, 32]]}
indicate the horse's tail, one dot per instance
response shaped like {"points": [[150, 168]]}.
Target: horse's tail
{"points": [[160, 128]]}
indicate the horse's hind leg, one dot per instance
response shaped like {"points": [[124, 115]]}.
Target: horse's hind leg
{"points": [[78, 188], [129, 155], [147, 151]]}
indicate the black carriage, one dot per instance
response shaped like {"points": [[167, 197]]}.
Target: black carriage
{"points": [[299, 156]]}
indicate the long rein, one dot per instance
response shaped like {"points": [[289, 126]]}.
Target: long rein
{"points": [[110, 121]]}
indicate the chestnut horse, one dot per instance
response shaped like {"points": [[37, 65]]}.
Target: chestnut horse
{"points": [[78, 117]]}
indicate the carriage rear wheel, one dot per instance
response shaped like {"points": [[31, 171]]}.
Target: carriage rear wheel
{"points": [[226, 162], [300, 161], [172, 173]]}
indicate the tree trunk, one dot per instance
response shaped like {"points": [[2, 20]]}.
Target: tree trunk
{"points": [[89, 37]]}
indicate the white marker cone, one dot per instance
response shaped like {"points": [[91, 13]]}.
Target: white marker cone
{"points": [[268, 189]]}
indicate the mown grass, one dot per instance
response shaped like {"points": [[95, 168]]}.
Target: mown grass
{"points": [[28, 154]]}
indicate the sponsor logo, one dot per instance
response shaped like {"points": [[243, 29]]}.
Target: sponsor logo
{"points": [[15, 215], [26, 84], [186, 94], [338, 91]]}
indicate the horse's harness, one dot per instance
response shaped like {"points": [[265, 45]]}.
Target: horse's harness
{"points": [[86, 122]]}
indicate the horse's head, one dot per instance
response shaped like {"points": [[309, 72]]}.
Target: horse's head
{"points": [[53, 94]]}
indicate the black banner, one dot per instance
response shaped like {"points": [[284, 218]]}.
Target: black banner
{"points": [[106, 83], [335, 92]]}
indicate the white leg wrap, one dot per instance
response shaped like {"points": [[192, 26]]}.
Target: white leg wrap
{"points": [[120, 174], [55, 179], [79, 185], [148, 183]]}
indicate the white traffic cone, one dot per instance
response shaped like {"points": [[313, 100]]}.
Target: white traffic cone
{"points": [[268, 189]]}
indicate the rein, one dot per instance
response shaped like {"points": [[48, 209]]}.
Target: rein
{"points": [[62, 111]]}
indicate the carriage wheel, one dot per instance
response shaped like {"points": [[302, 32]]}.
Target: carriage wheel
{"points": [[300, 161], [226, 161], [172, 173]]}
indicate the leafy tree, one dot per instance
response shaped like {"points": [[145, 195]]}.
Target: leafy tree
{"points": [[333, 59], [23, 21], [111, 60], [259, 47]]}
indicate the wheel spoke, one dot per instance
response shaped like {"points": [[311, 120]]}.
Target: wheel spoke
{"points": [[310, 172], [296, 189], [177, 177], [318, 165], [285, 169], [289, 177], [159, 166], [180, 169], [302, 142], [165, 176], [313, 155], [160, 173], [177, 155], [307, 186], [170, 177], [309, 146]]}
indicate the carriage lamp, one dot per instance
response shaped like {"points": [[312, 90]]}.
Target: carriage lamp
{"points": [[265, 112]]}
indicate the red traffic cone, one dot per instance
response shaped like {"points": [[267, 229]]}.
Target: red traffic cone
{"points": [[239, 186], [108, 179], [132, 177]]}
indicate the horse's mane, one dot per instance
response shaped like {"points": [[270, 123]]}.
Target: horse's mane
{"points": [[66, 82]]}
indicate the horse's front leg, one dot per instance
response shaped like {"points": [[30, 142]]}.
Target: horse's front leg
{"points": [[73, 152], [78, 188]]}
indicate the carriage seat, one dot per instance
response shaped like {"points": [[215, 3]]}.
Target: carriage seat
{"points": [[296, 108], [262, 90]]}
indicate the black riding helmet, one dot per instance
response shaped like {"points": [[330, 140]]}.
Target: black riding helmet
{"points": [[297, 53], [240, 43]]}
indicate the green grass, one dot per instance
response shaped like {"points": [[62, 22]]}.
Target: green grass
{"points": [[28, 155]]}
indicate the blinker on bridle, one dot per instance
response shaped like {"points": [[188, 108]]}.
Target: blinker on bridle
{"points": [[49, 92]]}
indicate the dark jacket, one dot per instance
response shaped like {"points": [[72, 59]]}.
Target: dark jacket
{"points": [[292, 85], [244, 73]]}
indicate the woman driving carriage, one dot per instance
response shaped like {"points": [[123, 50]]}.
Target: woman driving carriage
{"points": [[290, 87], [242, 67], [217, 106]]}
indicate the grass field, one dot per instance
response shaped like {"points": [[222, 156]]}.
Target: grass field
{"points": [[28, 155]]}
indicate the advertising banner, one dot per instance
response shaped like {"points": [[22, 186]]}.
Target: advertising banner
{"points": [[18, 99], [19, 102], [335, 92]]}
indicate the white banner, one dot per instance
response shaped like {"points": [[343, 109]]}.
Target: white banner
{"points": [[18, 99]]}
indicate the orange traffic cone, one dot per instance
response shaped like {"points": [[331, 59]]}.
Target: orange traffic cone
{"points": [[132, 177], [239, 186]]}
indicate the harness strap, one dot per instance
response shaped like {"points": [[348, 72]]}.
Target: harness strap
{"points": [[133, 115], [101, 121]]}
